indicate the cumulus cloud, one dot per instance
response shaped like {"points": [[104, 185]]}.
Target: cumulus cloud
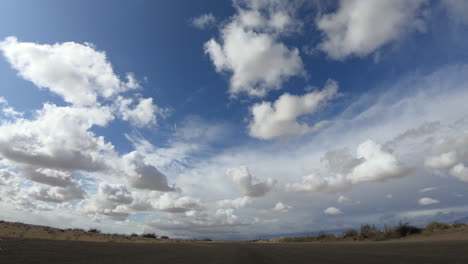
{"points": [[58, 194], [142, 175], [370, 164], [237, 203], [450, 153], [250, 49], [118, 201], [176, 203], [48, 176], [58, 138], [7, 110], [142, 114], [317, 183], [427, 201], [79, 73], [351, 30], [460, 172], [110, 200], [204, 21], [332, 211], [248, 184], [280, 118], [345, 200], [377, 165], [117, 193], [281, 207]]}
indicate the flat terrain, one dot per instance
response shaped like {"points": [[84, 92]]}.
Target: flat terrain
{"points": [[16, 250]]}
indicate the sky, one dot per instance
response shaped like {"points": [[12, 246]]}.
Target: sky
{"points": [[234, 119]]}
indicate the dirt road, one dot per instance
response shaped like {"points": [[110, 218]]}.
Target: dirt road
{"points": [[48, 251]]}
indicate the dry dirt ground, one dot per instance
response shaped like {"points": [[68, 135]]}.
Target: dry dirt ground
{"points": [[15, 250]]}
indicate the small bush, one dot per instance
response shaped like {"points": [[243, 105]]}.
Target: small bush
{"points": [[368, 231], [433, 226], [134, 235], [164, 237], [94, 230], [150, 235], [405, 229]]}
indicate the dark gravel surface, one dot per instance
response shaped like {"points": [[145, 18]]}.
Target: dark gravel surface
{"points": [[49, 251]]}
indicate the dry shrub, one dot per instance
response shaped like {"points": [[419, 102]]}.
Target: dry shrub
{"points": [[435, 226], [350, 233], [368, 231], [405, 229], [150, 235]]}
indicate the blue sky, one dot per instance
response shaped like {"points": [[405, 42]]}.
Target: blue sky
{"points": [[234, 119]]}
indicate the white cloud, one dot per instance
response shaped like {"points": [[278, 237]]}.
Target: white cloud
{"points": [[371, 164], [344, 200], [377, 165], [332, 211], [57, 194], [117, 201], [428, 189], [77, 72], [351, 30], [9, 111], [175, 203], [117, 193], [58, 138], [110, 201], [450, 153], [442, 161], [237, 203], [427, 201], [248, 184], [142, 175], [460, 171], [204, 21], [317, 183], [48, 176], [280, 207], [250, 49], [280, 118], [143, 114]]}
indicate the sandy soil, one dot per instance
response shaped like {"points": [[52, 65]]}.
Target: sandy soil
{"points": [[411, 252]]}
